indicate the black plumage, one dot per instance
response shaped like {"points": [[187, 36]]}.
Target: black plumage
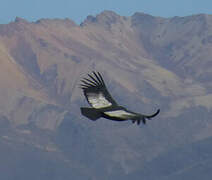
{"points": [[103, 105]]}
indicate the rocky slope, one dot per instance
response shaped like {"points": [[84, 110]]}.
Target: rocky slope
{"points": [[147, 62]]}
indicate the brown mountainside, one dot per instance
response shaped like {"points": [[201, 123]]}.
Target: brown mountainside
{"points": [[147, 62]]}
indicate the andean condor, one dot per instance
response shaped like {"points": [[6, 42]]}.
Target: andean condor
{"points": [[103, 105]]}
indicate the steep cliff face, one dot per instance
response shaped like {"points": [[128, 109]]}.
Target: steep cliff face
{"points": [[147, 62]]}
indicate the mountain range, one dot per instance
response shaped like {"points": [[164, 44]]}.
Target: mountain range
{"points": [[147, 62]]}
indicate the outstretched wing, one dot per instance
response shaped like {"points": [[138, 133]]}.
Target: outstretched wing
{"points": [[95, 91]]}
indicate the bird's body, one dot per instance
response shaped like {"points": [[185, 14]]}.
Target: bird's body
{"points": [[103, 105]]}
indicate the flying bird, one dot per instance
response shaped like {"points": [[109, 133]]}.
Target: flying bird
{"points": [[103, 105]]}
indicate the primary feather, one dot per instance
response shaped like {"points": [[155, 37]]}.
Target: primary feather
{"points": [[96, 92]]}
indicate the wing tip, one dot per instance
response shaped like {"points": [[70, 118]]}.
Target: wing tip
{"points": [[95, 79], [153, 115], [157, 112]]}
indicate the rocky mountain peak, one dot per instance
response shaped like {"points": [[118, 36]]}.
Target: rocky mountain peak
{"points": [[106, 18], [65, 21]]}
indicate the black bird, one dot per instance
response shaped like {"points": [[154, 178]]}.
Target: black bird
{"points": [[103, 105]]}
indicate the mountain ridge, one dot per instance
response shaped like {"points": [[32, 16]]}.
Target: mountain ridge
{"points": [[147, 62]]}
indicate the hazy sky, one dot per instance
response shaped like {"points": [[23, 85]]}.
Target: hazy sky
{"points": [[78, 10]]}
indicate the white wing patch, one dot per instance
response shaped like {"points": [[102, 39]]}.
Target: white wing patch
{"points": [[98, 100], [119, 114]]}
